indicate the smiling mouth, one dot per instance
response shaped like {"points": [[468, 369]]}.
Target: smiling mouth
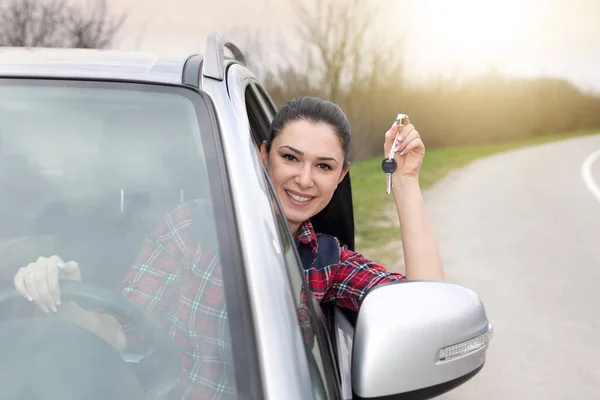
{"points": [[299, 199]]}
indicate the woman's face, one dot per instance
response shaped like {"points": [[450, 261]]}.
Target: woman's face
{"points": [[306, 163]]}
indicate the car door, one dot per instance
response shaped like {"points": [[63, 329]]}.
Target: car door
{"points": [[337, 322], [259, 111], [318, 347]]}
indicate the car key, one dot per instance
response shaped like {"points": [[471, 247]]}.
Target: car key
{"points": [[389, 164]]}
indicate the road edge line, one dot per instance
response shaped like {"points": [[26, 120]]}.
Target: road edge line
{"points": [[586, 174]]}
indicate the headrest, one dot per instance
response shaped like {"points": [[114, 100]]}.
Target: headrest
{"points": [[132, 149], [151, 148]]}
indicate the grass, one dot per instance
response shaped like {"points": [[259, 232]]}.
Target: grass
{"points": [[370, 200]]}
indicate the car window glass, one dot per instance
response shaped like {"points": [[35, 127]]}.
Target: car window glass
{"points": [[257, 117], [268, 103], [307, 317], [124, 180]]}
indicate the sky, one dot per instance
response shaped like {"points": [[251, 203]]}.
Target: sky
{"points": [[558, 38]]}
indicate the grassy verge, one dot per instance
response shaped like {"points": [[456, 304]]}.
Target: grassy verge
{"points": [[374, 232]]}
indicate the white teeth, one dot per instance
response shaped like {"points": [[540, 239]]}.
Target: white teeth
{"points": [[297, 198]]}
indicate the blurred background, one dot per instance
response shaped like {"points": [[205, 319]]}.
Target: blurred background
{"points": [[466, 71], [483, 74], [506, 95]]}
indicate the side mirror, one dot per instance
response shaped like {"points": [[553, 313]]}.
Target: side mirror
{"points": [[417, 340]]}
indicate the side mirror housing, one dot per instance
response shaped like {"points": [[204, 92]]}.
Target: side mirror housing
{"points": [[417, 340]]}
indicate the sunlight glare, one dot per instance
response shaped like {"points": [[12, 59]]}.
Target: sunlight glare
{"points": [[473, 35]]}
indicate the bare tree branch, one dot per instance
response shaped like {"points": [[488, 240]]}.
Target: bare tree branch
{"points": [[94, 28], [58, 23], [341, 33]]}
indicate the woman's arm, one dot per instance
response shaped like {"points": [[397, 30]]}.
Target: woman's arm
{"points": [[421, 255], [150, 283], [39, 282], [104, 325]]}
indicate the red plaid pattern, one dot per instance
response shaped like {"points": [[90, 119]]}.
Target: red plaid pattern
{"points": [[181, 283]]}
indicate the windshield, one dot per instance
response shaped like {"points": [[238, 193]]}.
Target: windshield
{"points": [[109, 185]]}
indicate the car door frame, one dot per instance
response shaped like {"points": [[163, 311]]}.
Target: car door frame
{"points": [[339, 322], [239, 81], [271, 320]]}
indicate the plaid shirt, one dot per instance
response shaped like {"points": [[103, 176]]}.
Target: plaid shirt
{"points": [[181, 283]]}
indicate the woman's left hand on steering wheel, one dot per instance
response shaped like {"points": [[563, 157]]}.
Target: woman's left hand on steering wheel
{"points": [[40, 281]]}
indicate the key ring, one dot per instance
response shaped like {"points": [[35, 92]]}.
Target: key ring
{"points": [[401, 120], [389, 165]]}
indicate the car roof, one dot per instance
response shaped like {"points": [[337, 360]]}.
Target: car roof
{"points": [[90, 64]]}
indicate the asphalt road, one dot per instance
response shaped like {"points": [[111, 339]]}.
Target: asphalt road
{"points": [[522, 229]]}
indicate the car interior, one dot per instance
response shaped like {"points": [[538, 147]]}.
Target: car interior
{"points": [[141, 165], [86, 180], [79, 182]]}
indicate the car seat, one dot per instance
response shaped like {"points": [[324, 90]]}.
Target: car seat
{"points": [[136, 173]]}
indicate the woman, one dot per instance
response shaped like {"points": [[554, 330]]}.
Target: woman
{"points": [[306, 158]]}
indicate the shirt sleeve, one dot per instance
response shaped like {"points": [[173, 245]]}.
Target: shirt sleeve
{"points": [[152, 281], [181, 284], [354, 276]]}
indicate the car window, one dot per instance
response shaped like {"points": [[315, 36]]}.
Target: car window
{"points": [[308, 319], [258, 118], [266, 99], [320, 351], [124, 180]]}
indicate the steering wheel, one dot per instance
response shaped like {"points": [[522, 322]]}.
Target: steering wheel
{"points": [[160, 371]]}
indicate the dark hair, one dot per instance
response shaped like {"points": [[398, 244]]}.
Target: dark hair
{"points": [[337, 218], [314, 110]]}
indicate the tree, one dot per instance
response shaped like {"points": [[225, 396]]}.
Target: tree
{"points": [[58, 23], [342, 39]]}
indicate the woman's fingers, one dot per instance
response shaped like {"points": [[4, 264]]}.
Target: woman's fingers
{"points": [[390, 135], [32, 287], [399, 143], [53, 278], [69, 270], [396, 136], [410, 136], [415, 144], [57, 270], [19, 281], [40, 281]]}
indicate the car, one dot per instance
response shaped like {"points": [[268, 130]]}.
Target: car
{"points": [[97, 145]]}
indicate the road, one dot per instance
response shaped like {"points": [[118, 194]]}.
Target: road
{"points": [[522, 229]]}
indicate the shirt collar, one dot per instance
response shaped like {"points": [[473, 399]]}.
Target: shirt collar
{"points": [[306, 233]]}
